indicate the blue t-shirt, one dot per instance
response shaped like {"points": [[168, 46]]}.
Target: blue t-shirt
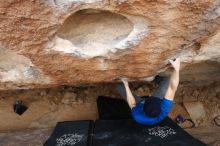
{"points": [[140, 117]]}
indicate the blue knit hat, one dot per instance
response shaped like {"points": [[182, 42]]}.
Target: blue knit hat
{"points": [[152, 107]]}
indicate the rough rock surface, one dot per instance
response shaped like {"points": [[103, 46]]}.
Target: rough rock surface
{"points": [[70, 42]]}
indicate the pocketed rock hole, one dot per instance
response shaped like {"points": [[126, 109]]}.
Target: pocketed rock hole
{"points": [[89, 29], [92, 30], [90, 33]]}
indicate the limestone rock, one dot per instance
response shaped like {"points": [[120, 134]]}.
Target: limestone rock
{"points": [[189, 99], [43, 93], [140, 91], [69, 97], [217, 120], [195, 110], [193, 97], [46, 43]]}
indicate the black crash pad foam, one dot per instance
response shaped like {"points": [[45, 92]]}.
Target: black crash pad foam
{"points": [[129, 133], [71, 133], [112, 109], [120, 132], [124, 132]]}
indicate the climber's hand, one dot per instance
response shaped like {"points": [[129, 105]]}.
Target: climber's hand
{"points": [[175, 64], [124, 81]]}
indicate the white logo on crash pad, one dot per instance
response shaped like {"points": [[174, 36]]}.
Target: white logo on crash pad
{"points": [[162, 132], [69, 139]]}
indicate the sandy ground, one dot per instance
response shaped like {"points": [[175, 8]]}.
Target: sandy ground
{"points": [[48, 106]]}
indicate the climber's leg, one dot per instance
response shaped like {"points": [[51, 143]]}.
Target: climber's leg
{"points": [[163, 85]]}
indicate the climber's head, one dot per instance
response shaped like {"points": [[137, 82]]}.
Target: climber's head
{"points": [[152, 107]]}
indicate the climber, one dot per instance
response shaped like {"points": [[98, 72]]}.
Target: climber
{"points": [[155, 108]]}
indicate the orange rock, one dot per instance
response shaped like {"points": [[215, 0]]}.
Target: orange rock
{"points": [[71, 42]]}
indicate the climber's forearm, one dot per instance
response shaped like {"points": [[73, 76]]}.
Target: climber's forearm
{"points": [[174, 80], [173, 84], [130, 98]]}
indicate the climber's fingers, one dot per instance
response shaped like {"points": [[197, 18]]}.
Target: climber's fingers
{"points": [[124, 80], [175, 63]]}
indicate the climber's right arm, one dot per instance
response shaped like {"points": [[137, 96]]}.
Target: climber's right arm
{"points": [[174, 79], [130, 98]]}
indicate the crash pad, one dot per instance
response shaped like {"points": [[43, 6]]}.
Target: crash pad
{"points": [[71, 133]]}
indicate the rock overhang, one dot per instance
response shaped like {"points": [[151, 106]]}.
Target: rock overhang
{"points": [[170, 29]]}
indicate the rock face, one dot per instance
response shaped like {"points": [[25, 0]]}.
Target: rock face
{"points": [[47, 43]]}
